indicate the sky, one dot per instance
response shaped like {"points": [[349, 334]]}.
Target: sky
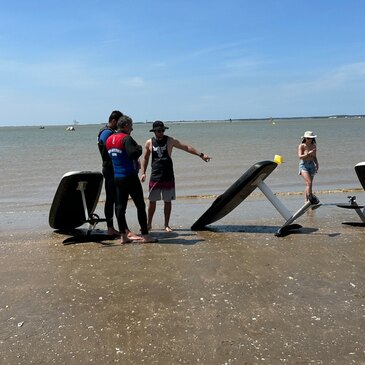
{"points": [[66, 60]]}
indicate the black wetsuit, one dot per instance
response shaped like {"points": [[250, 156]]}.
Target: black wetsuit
{"points": [[108, 173]]}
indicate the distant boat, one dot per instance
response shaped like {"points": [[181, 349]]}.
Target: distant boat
{"points": [[41, 127], [71, 128]]}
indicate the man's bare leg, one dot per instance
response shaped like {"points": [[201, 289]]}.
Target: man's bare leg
{"points": [[167, 213], [151, 212]]}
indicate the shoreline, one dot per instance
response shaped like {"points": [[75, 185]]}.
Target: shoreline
{"points": [[35, 216], [229, 120], [34, 219]]}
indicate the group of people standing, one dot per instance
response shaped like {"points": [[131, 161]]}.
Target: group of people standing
{"points": [[121, 155]]}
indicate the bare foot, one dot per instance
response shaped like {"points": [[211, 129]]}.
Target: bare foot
{"points": [[146, 238], [168, 229], [133, 236], [125, 239], [113, 232], [149, 227]]}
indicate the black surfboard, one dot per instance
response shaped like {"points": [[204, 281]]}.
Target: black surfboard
{"points": [[360, 171], [235, 194], [67, 210]]}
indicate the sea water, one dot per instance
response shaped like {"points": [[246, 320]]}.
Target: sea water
{"points": [[33, 160]]}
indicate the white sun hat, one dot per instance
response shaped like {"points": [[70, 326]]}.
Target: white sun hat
{"points": [[309, 134]]}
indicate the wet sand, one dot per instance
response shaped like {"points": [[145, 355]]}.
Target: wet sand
{"points": [[234, 295]]}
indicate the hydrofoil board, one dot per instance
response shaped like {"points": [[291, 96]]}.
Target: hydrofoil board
{"points": [[68, 210], [235, 194]]}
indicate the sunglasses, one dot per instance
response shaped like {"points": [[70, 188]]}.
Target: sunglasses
{"points": [[159, 130]]}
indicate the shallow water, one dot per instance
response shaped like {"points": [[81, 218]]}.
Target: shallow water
{"points": [[33, 160]]}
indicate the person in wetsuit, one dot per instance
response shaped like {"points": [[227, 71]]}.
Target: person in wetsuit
{"points": [[162, 180], [108, 173], [124, 153]]}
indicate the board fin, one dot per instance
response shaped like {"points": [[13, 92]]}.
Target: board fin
{"points": [[285, 230]]}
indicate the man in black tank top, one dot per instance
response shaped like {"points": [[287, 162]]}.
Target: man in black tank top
{"points": [[162, 180]]}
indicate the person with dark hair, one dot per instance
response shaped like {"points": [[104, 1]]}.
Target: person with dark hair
{"points": [[308, 164], [108, 173], [124, 153], [162, 180]]}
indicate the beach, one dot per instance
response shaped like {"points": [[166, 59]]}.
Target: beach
{"points": [[234, 294]]}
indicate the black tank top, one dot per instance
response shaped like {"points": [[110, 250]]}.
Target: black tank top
{"points": [[162, 167]]}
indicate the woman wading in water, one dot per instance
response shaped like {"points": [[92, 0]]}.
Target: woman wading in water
{"points": [[308, 165]]}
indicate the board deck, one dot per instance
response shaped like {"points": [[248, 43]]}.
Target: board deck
{"points": [[236, 193], [67, 210]]}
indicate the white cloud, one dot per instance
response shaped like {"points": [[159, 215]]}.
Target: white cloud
{"points": [[334, 80]]}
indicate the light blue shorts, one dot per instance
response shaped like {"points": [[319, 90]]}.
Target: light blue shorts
{"points": [[307, 166]]}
